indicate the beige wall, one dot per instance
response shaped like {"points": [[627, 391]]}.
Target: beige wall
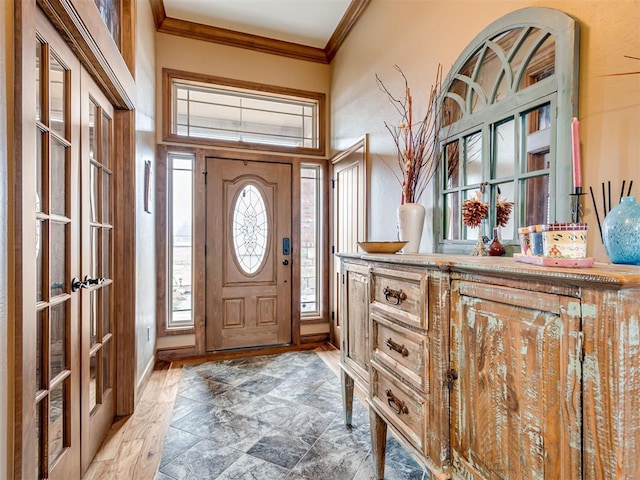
{"points": [[211, 59], [419, 34], [145, 222], [6, 89]]}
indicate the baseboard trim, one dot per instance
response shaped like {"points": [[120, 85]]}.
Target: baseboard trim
{"points": [[144, 380]]}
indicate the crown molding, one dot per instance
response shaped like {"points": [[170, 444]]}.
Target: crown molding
{"points": [[233, 38]]}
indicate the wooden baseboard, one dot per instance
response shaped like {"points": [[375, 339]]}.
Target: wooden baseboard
{"points": [[144, 380]]}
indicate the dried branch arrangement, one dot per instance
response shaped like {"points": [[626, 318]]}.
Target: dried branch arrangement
{"points": [[416, 141]]}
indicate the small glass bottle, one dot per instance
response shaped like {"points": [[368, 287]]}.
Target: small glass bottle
{"points": [[496, 249]]}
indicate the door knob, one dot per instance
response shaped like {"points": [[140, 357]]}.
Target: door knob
{"points": [[285, 262], [76, 284], [93, 281]]}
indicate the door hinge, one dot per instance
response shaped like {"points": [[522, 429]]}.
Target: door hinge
{"points": [[333, 315], [205, 177], [333, 249], [450, 377], [333, 183], [343, 278]]}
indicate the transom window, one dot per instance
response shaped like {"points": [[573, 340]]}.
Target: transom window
{"points": [[506, 115], [246, 115]]}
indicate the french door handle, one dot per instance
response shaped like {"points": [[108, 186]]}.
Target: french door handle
{"points": [[76, 284], [93, 281]]}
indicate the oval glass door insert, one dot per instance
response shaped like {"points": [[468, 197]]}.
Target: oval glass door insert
{"points": [[250, 229]]}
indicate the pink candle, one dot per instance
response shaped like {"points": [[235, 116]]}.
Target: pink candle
{"points": [[575, 144]]}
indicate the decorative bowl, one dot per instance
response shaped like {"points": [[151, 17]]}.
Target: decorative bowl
{"points": [[381, 247]]}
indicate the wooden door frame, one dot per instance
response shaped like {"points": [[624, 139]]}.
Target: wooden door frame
{"points": [[80, 24]]}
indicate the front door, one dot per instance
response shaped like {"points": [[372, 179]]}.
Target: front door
{"points": [[248, 254], [97, 341]]}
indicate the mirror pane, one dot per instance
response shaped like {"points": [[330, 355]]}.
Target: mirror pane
{"points": [[469, 233], [452, 216], [535, 196], [57, 338], [452, 165], [473, 158], [58, 254], [504, 149], [503, 211], [542, 65]]}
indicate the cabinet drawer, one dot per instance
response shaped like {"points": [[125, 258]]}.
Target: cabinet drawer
{"points": [[399, 406], [400, 350], [401, 294]]}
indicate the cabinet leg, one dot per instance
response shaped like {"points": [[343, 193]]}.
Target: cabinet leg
{"points": [[378, 443], [347, 397]]}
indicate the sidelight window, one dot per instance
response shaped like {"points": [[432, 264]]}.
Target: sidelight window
{"points": [[310, 240], [180, 249]]}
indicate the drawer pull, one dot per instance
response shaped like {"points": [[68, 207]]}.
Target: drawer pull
{"points": [[401, 349], [396, 295], [397, 404]]}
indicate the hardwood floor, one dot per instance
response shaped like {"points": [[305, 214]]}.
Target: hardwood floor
{"points": [[133, 447]]}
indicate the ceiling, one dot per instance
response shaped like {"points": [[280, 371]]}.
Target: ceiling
{"points": [[311, 30], [307, 22]]}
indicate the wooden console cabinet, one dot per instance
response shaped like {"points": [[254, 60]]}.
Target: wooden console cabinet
{"points": [[486, 368]]}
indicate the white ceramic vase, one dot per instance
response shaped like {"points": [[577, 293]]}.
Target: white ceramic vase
{"points": [[410, 224]]}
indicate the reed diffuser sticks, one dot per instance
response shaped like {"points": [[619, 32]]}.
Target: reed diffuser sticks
{"points": [[606, 200]]}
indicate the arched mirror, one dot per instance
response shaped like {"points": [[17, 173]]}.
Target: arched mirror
{"points": [[506, 127]]}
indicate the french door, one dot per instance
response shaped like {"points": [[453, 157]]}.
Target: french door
{"points": [[248, 254], [73, 347], [97, 340]]}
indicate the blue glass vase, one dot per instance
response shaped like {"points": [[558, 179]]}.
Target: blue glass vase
{"points": [[621, 232]]}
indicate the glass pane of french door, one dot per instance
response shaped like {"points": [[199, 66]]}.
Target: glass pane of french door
{"points": [[56, 402]]}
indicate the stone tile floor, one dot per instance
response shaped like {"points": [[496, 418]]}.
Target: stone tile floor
{"points": [[269, 418]]}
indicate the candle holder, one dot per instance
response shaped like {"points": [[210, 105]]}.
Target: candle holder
{"points": [[576, 205]]}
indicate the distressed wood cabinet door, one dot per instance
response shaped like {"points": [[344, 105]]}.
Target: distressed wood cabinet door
{"points": [[355, 319], [516, 402], [354, 332]]}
